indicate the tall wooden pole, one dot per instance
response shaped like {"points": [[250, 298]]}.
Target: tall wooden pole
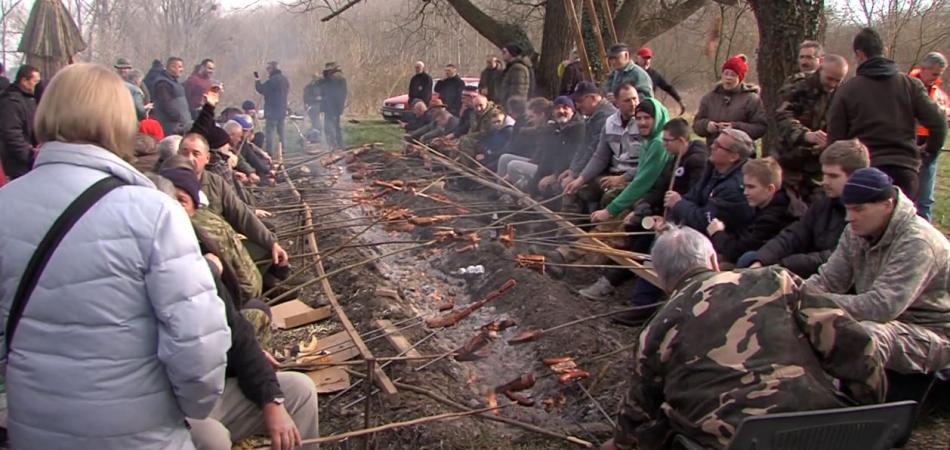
{"points": [[595, 24], [609, 15], [578, 37]]}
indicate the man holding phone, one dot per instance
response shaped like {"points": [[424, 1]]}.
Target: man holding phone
{"points": [[275, 91]]}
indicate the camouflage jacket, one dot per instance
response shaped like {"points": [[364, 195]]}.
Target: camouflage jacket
{"points": [[803, 107], [232, 252], [903, 276], [729, 345]]}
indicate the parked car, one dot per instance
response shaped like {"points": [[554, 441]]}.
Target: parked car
{"points": [[394, 107]]}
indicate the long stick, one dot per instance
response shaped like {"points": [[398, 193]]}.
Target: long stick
{"points": [[395, 425], [609, 15], [578, 37], [494, 418], [600, 408], [595, 26], [679, 157]]}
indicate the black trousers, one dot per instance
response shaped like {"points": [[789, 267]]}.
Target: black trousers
{"points": [[906, 179]]}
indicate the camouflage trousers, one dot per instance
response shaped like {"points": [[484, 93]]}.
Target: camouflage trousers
{"points": [[261, 324], [909, 348]]}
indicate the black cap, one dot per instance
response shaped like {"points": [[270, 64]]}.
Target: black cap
{"points": [[617, 48], [585, 88]]}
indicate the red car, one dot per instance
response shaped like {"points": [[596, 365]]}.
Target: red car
{"points": [[394, 107]]}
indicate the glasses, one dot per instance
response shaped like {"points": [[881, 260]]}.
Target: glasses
{"points": [[669, 140]]}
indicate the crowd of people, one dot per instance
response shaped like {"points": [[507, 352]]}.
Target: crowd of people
{"points": [[166, 313], [792, 282], [845, 278]]}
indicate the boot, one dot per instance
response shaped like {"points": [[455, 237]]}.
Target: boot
{"points": [[599, 291], [633, 318]]}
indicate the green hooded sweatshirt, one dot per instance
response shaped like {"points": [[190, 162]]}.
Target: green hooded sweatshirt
{"points": [[653, 158]]}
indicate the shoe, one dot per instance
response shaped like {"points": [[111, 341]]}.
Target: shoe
{"points": [[556, 272], [599, 291], [633, 318]]}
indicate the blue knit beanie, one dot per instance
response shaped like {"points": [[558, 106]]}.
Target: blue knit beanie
{"points": [[564, 100], [868, 185]]}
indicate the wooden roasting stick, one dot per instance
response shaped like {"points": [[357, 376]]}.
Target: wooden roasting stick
{"points": [[638, 268], [392, 426], [380, 378]]}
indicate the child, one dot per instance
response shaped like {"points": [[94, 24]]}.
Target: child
{"points": [[762, 180]]}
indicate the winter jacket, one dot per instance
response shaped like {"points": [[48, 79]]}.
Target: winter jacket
{"points": [[275, 91], [653, 159], [903, 276], [803, 108], [524, 138], [225, 202], [450, 91], [333, 91], [633, 74], [717, 196], [807, 243], [593, 130], [152, 75], [558, 143], [464, 123], [741, 106], [767, 222], [618, 150], [939, 97], [124, 336], [490, 81], [195, 88], [431, 131], [659, 82], [688, 174], [517, 81], [311, 94], [420, 87], [17, 142], [4, 83], [171, 105], [881, 107]]}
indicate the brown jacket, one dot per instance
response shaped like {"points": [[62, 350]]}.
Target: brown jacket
{"points": [[741, 106]]}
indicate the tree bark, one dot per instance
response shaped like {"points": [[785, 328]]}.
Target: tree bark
{"points": [[783, 24], [556, 42], [499, 33]]}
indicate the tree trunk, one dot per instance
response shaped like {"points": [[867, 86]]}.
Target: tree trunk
{"points": [[635, 30], [498, 33], [783, 24], [556, 44]]}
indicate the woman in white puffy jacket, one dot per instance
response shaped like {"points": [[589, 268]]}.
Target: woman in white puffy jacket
{"points": [[124, 334]]}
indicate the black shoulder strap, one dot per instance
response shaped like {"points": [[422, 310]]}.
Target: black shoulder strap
{"points": [[48, 245]]}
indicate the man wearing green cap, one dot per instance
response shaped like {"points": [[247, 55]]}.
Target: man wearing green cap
{"points": [[123, 67]]}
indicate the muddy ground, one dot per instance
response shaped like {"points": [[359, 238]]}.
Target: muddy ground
{"points": [[424, 280]]}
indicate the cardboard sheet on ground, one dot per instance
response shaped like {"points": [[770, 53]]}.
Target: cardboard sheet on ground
{"points": [[339, 346], [332, 379], [295, 313]]}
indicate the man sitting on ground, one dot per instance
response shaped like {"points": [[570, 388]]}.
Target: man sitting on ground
{"points": [[417, 118], [898, 266], [559, 141], [518, 164], [806, 244], [593, 105], [730, 345], [719, 194], [256, 400], [762, 185]]}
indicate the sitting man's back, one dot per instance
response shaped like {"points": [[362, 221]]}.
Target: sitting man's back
{"points": [[729, 345]]}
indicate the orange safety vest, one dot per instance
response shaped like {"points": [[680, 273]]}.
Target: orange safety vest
{"points": [[939, 97]]}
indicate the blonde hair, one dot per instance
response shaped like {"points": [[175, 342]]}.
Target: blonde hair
{"points": [[88, 104], [765, 170]]}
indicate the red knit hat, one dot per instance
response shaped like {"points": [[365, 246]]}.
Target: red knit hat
{"points": [[738, 65], [152, 128]]}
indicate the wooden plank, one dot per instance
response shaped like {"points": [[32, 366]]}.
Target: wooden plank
{"points": [[329, 380], [339, 345], [398, 341], [379, 377], [295, 313]]}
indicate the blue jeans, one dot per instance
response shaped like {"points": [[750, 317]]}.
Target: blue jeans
{"points": [[925, 191], [746, 260], [645, 293], [272, 126]]}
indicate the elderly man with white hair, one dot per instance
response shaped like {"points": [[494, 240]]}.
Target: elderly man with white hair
{"points": [[729, 345], [420, 85], [930, 72]]}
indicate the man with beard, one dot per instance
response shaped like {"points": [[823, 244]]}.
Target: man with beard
{"points": [[563, 137]]}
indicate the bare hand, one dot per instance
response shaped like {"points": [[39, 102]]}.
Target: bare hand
{"points": [[612, 182], [630, 218], [715, 226], [671, 198], [574, 185], [254, 178], [283, 433], [564, 176], [262, 214], [609, 445], [712, 127], [211, 98], [755, 265], [241, 176], [215, 261], [546, 181], [567, 181], [480, 157], [601, 215], [271, 360], [279, 255]]}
